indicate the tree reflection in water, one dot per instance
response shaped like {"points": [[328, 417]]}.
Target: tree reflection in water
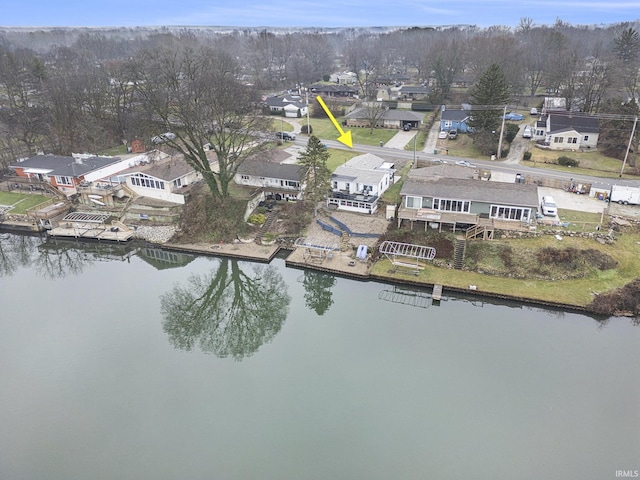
{"points": [[227, 313], [317, 287]]}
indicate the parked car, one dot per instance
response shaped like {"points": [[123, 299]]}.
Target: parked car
{"points": [[286, 136], [453, 134], [514, 116], [464, 163], [442, 134], [163, 138], [526, 132], [548, 206], [534, 111], [406, 127]]}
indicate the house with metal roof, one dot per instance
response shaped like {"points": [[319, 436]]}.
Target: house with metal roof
{"points": [[275, 173], [460, 200], [412, 92], [358, 184]]}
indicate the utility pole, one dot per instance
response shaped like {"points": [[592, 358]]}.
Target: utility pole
{"points": [[633, 131], [307, 99], [504, 114]]}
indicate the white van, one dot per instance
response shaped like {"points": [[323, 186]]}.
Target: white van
{"points": [[548, 206]]}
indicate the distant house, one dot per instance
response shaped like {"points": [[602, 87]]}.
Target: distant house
{"points": [[451, 197], [413, 92], [392, 118], [358, 184], [344, 78], [554, 104], [454, 120], [334, 90], [164, 179], [275, 173], [292, 106], [571, 131], [67, 173]]}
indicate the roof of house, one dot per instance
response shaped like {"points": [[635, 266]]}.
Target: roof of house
{"points": [[414, 89], [516, 194], [267, 168], [65, 166], [390, 114], [168, 169], [283, 101], [454, 115], [565, 121], [367, 168], [332, 88]]}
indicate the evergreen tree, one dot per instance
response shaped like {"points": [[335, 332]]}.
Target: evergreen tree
{"points": [[489, 94], [316, 177]]}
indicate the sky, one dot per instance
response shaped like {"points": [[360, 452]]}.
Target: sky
{"points": [[312, 13]]}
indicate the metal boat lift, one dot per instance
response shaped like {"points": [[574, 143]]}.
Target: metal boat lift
{"points": [[407, 255], [316, 251]]}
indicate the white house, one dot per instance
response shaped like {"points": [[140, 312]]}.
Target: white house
{"points": [[571, 131], [358, 184], [163, 179]]}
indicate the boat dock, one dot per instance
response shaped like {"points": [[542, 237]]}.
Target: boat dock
{"points": [[91, 226]]}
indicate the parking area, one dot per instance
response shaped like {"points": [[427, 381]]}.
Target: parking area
{"points": [[571, 201]]}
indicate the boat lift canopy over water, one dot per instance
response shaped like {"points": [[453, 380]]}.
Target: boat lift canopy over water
{"points": [[407, 254]]}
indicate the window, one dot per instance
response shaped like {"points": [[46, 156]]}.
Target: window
{"points": [[572, 140], [413, 202], [504, 212], [558, 139], [142, 180], [64, 181], [448, 205], [586, 138], [244, 177]]}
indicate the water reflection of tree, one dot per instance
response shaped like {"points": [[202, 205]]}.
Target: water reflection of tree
{"points": [[16, 251], [226, 312], [318, 295]]}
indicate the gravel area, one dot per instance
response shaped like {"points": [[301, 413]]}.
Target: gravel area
{"points": [[160, 234], [357, 223]]}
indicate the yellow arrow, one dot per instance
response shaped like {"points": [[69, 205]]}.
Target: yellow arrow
{"points": [[345, 137]]}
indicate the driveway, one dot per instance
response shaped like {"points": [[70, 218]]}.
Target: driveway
{"points": [[400, 139]]}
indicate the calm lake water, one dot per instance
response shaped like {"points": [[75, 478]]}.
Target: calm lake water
{"points": [[125, 364]]}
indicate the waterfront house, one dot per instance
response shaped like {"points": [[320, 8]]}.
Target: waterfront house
{"points": [[274, 172], [358, 184], [67, 173], [451, 197]]}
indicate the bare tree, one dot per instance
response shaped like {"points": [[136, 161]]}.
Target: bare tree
{"points": [[197, 95]]}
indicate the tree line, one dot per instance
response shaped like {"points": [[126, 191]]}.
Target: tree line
{"points": [[64, 91]]}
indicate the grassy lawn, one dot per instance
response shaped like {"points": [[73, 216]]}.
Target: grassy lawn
{"points": [[21, 201], [591, 163], [339, 157], [578, 291], [323, 128]]}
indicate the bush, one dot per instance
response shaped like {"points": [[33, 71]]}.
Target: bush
{"points": [[568, 162], [304, 129], [257, 219], [326, 77], [527, 156]]}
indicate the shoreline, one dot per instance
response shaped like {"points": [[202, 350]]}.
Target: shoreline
{"points": [[343, 265], [340, 264]]}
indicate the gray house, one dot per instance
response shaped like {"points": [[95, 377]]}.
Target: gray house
{"points": [[432, 200], [392, 118], [274, 173]]}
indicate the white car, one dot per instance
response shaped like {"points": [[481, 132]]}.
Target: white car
{"points": [[464, 163], [443, 134], [163, 138]]}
